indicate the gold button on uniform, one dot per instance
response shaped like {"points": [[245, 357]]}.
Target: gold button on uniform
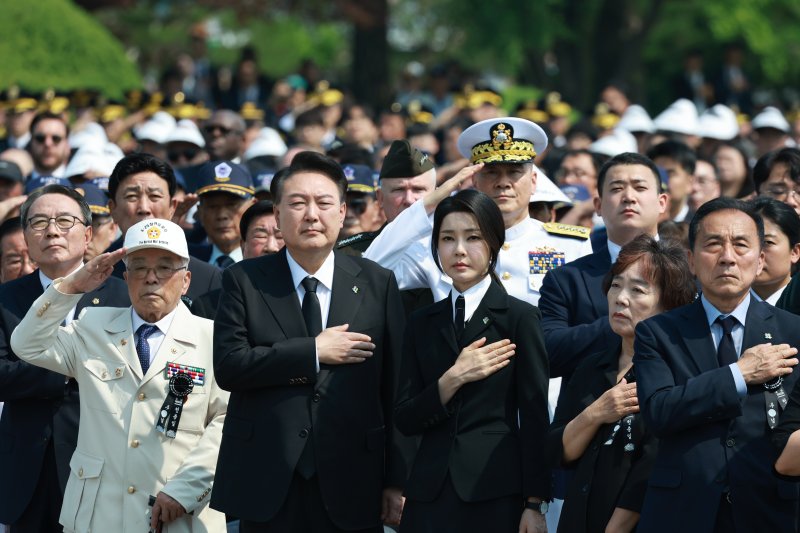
{"points": [[506, 246], [506, 275], [141, 396], [131, 489], [134, 444]]}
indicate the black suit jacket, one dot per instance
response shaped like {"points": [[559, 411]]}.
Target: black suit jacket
{"points": [[491, 436], [201, 250], [575, 312], [710, 438], [205, 277], [39, 407], [264, 356]]}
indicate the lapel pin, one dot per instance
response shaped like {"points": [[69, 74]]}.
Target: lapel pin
{"points": [[96, 301], [355, 289], [123, 342], [768, 336], [485, 320]]}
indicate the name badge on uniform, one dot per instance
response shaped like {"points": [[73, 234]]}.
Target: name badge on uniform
{"points": [[540, 262], [181, 385], [197, 374]]}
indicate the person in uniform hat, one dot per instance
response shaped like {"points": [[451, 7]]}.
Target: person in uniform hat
{"points": [[11, 189], [225, 192], [148, 387], [104, 229], [363, 210]]}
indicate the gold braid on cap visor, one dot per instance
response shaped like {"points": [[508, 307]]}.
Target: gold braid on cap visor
{"points": [[517, 151]]}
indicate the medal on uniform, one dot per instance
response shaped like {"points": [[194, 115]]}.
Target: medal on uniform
{"points": [[180, 386]]}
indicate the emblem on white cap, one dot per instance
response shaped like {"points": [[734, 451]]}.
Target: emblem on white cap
{"points": [[222, 172]]}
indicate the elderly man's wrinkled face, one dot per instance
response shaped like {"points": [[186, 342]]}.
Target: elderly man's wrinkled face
{"points": [[156, 281]]}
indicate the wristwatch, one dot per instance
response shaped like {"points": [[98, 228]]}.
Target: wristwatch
{"points": [[539, 507]]}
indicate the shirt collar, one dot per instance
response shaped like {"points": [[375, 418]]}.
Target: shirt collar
{"points": [[162, 325], [236, 254], [614, 248], [324, 275], [472, 296], [712, 313], [46, 282]]}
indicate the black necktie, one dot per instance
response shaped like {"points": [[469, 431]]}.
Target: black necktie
{"points": [[726, 351], [312, 313], [224, 261], [460, 316]]}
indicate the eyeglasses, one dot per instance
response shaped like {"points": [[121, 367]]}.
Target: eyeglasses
{"points": [[782, 192], [211, 128], [63, 222], [162, 271], [99, 222], [188, 154], [357, 205], [41, 138]]}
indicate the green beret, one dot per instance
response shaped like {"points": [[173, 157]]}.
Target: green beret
{"points": [[404, 161]]}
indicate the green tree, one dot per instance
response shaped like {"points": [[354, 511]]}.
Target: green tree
{"points": [[53, 43]]}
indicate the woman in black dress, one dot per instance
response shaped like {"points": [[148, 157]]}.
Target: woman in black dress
{"points": [[597, 431], [473, 384]]}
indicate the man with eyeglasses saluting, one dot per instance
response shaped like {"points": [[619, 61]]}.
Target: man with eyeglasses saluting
{"points": [[39, 427], [48, 146]]}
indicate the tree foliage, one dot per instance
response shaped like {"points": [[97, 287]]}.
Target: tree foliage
{"points": [[52, 43]]}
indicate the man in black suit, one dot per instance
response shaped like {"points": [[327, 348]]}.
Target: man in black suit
{"points": [[39, 426], [573, 304], [141, 187], [711, 379], [309, 443]]}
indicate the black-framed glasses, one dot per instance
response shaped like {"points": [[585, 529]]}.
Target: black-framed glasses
{"points": [[188, 154], [63, 222], [162, 271], [41, 138]]}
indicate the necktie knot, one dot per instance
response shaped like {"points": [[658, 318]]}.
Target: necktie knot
{"points": [[727, 323], [145, 330], [224, 261], [310, 284]]}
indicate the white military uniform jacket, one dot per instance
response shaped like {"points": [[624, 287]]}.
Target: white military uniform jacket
{"points": [[121, 460]]}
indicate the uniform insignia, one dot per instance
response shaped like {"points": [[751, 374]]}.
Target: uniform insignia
{"points": [[768, 336], [357, 238], [485, 320], [566, 230], [355, 289], [543, 260], [96, 301], [197, 374], [222, 172]]}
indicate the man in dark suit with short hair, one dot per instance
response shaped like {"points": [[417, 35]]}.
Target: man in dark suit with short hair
{"points": [[308, 342], [711, 379], [39, 426]]}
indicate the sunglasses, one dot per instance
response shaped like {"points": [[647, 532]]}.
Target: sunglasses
{"points": [[211, 128], [41, 138], [188, 154]]}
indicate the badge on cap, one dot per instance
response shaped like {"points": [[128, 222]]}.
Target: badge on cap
{"points": [[153, 233], [222, 172], [349, 173]]}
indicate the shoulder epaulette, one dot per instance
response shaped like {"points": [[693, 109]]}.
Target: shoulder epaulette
{"points": [[358, 237], [566, 230]]}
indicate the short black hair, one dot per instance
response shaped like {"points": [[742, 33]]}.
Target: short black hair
{"points": [[9, 226], [137, 163], [309, 161], [312, 117], [486, 213], [788, 156], [723, 203], [48, 115], [69, 192], [627, 158], [264, 207], [771, 209], [677, 151]]}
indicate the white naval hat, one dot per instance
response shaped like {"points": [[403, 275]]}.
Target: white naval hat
{"points": [[718, 122], [502, 140], [90, 157], [157, 233], [546, 190], [186, 131], [635, 119], [771, 117], [617, 142], [679, 117], [268, 142], [91, 133], [153, 130]]}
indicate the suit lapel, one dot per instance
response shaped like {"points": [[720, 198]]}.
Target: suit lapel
{"points": [[278, 291], [759, 327], [96, 298], [30, 288], [593, 279], [173, 347], [493, 301], [442, 318], [696, 336], [120, 332]]}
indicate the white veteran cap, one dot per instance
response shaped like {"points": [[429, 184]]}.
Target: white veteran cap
{"points": [[771, 117], [679, 117], [719, 122], [157, 233], [502, 140]]}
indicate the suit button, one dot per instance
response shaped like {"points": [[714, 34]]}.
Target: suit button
{"points": [[134, 444], [131, 489], [730, 443], [315, 398], [141, 396], [304, 433], [585, 489]]}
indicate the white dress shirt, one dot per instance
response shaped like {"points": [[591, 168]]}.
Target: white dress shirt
{"points": [[157, 337], [472, 297], [236, 255]]}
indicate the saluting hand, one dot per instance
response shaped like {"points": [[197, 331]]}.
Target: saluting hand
{"points": [[765, 362], [432, 199], [337, 346], [93, 273], [615, 403]]}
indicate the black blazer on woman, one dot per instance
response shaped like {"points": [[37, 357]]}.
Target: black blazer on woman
{"points": [[478, 437], [605, 476]]}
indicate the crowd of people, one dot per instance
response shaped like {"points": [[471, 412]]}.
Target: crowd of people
{"points": [[278, 309]]}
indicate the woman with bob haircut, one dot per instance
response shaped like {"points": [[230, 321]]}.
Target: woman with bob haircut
{"points": [[597, 431], [781, 249], [473, 384]]}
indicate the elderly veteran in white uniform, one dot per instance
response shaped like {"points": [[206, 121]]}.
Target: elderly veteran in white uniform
{"points": [[151, 410]]}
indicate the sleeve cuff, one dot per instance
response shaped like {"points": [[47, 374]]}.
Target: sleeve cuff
{"points": [[738, 378]]}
